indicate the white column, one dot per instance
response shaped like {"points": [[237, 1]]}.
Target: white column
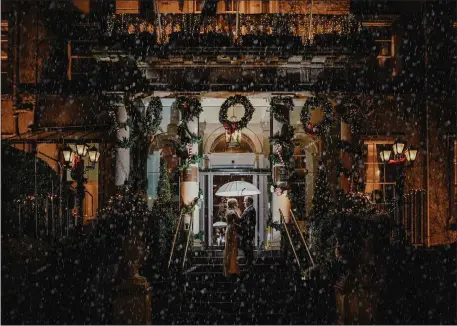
{"points": [[122, 154], [255, 182], [190, 182], [279, 202], [262, 186]]}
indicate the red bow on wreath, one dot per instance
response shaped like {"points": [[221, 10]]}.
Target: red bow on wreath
{"points": [[230, 128]]}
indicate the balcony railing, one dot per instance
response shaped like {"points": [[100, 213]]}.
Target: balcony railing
{"points": [[230, 30]]}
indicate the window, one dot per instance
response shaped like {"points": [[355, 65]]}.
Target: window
{"points": [[81, 62], [199, 5], [5, 57], [265, 6], [380, 178], [127, 7], [230, 5]]}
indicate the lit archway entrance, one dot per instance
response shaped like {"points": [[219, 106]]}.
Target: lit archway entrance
{"points": [[226, 163]]}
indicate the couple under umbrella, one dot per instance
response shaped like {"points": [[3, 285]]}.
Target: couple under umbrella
{"points": [[239, 227]]}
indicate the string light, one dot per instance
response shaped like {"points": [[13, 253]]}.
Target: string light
{"points": [[295, 24]]}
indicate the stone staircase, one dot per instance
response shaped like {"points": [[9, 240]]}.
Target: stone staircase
{"points": [[273, 294]]}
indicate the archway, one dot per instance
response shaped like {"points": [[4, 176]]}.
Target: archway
{"points": [[220, 145]]}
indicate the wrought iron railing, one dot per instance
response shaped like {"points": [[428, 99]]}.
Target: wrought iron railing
{"points": [[175, 239]]}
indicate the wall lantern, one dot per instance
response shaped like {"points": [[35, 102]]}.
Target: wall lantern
{"points": [[385, 155], [94, 154], [67, 153], [233, 139], [81, 149], [411, 154], [398, 147]]}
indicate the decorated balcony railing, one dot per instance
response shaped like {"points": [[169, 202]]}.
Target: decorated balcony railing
{"points": [[255, 30]]}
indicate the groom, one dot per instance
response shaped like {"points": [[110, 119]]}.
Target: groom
{"points": [[248, 221]]}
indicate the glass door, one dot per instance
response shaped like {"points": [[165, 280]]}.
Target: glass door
{"points": [[212, 213]]}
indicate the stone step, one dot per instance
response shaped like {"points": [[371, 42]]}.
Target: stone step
{"points": [[241, 259], [259, 253], [245, 318]]}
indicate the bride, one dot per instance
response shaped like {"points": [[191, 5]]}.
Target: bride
{"points": [[231, 239]]}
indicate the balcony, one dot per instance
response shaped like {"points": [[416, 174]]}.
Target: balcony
{"points": [[289, 33]]}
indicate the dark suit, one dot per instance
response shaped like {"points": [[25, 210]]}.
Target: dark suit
{"points": [[248, 221]]}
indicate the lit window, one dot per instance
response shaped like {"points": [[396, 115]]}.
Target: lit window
{"points": [[6, 64], [380, 178], [4, 46], [265, 6], [199, 5], [127, 7], [230, 5]]}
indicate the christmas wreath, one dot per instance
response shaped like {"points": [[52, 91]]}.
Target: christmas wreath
{"points": [[279, 105], [305, 116], [352, 115], [232, 126], [190, 108]]}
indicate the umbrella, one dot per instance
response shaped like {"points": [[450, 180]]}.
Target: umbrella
{"points": [[220, 224], [238, 188]]}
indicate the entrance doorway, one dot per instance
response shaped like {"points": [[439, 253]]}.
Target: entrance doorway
{"points": [[212, 214]]}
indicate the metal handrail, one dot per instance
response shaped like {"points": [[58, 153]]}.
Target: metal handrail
{"points": [[174, 238], [187, 242], [288, 236], [302, 238]]}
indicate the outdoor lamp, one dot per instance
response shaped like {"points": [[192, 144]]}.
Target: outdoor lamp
{"points": [[411, 154], [67, 151], [81, 149], [94, 154], [398, 147], [385, 155]]}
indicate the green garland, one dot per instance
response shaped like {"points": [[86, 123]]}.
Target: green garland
{"points": [[285, 140], [189, 209], [142, 126], [194, 159], [232, 126], [278, 105], [352, 115], [190, 108], [305, 116]]}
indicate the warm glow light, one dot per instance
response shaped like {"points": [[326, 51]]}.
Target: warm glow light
{"points": [[398, 147], [411, 154], [66, 152], [94, 155], [385, 155], [234, 139], [81, 149]]}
